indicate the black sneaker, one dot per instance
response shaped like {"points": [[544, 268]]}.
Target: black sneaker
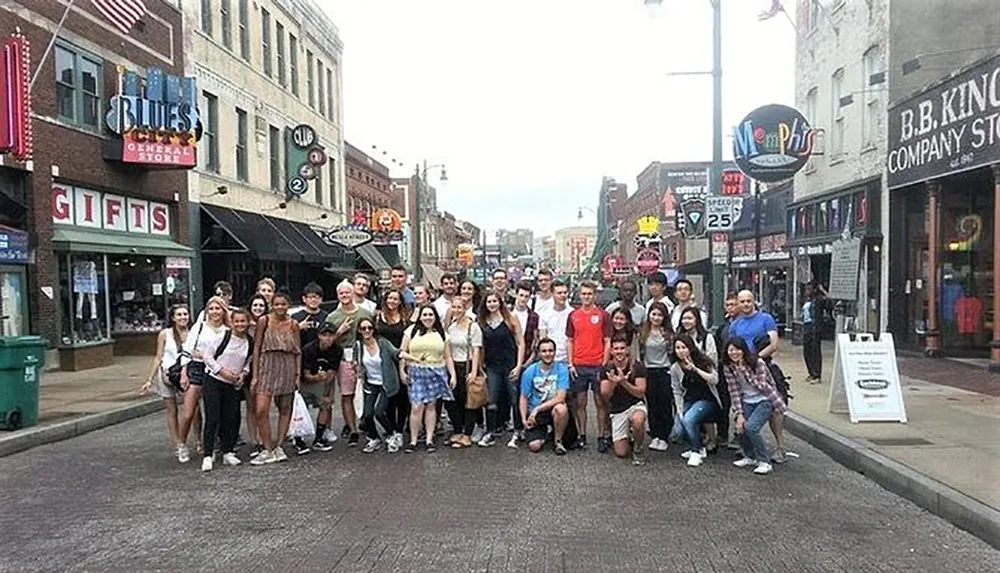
{"points": [[353, 440], [581, 442], [602, 445], [409, 449], [345, 431], [256, 450], [321, 445], [560, 449], [301, 447]]}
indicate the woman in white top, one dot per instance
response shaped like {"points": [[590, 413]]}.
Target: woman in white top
{"points": [[465, 340], [165, 373], [378, 369], [227, 364], [198, 341]]}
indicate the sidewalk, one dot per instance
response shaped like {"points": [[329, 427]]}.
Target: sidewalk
{"points": [[951, 434], [73, 403]]}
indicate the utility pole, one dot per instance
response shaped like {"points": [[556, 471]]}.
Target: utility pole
{"points": [[416, 228], [715, 185]]}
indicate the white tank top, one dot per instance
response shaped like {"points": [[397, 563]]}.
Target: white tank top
{"points": [[170, 351]]}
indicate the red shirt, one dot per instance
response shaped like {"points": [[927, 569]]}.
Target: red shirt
{"points": [[588, 329]]}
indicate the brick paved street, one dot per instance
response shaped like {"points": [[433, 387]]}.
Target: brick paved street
{"points": [[115, 500]]}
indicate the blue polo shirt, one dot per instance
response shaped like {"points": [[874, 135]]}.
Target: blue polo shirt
{"points": [[752, 327]]}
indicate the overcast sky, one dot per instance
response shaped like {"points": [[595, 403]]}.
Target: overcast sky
{"points": [[530, 102]]}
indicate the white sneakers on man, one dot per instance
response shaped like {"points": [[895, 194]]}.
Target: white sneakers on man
{"points": [[207, 463], [763, 468], [695, 458], [230, 459]]}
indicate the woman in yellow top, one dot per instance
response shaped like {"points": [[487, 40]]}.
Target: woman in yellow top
{"points": [[429, 380]]}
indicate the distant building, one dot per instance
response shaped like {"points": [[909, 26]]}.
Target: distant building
{"points": [[514, 243], [573, 247]]}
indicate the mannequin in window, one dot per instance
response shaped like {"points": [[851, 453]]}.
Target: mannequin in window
{"points": [[85, 287]]}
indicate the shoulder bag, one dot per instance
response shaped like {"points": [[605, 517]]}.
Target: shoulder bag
{"points": [[173, 374], [475, 391]]}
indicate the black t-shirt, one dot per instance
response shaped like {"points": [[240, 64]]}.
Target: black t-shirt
{"points": [[695, 388], [499, 346], [621, 399], [308, 335], [315, 360], [393, 332]]}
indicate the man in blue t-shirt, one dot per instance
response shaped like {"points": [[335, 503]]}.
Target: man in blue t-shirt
{"points": [[543, 398], [755, 327]]}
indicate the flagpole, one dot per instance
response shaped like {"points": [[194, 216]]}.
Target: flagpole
{"points": [[52, 41]]}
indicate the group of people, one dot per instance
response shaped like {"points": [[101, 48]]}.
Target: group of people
{"points": [[495, 360]]}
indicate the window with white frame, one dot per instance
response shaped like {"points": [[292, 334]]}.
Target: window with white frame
{"points": [[279, 40], [225, 13], [812, 14], [244, 24], [872, 119], [836, 114], [78, 86], [812, 102], [242, 168]]}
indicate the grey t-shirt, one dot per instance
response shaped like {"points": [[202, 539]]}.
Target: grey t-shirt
{"points": [[657, 351]]}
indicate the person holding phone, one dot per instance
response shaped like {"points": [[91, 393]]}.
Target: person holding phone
{"points": [[694, 380]]}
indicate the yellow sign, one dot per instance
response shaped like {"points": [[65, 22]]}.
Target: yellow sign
{"points": [[649, 225], [464, 254]]}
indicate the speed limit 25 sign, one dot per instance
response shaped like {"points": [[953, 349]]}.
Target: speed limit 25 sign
{"points": [[720, 213]]}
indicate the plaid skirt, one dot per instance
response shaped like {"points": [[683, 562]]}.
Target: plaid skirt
{"points": [[429, 384]]}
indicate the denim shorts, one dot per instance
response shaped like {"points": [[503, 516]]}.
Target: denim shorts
{"points": [[587, 377]]}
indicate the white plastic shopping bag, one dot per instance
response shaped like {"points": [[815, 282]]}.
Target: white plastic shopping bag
{"points": [[302, 424], [359, 398]]}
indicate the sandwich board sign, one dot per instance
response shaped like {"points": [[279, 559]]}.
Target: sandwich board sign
{"points": [[865, 381]]}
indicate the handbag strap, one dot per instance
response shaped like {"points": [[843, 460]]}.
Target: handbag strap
{"points": [[468, 349]]}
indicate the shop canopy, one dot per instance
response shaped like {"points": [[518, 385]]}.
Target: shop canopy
{"points": [[78, 240], [232, 231]]}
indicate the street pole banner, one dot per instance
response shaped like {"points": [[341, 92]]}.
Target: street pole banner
{"points": [[865, 383]]}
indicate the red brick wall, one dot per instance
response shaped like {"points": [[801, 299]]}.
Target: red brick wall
{"points": [[77, 153]]}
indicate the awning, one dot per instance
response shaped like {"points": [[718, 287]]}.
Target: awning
{"points": [[78, 240], [432, 274], [372, 257], [258, 233], [390, 253]]}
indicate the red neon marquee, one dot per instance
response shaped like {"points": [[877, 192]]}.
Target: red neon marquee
{"points": [[15, 98]]}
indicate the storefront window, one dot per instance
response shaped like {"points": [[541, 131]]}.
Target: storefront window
{"points": [[83, 299], [966, 274], [13, 309], [142, 289]]}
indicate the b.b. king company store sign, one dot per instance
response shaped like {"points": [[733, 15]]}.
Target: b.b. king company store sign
{"points": [[949, 128], [157, 118]]}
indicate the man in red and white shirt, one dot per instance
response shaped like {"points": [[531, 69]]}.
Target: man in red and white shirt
{"points": [[588, 346]]}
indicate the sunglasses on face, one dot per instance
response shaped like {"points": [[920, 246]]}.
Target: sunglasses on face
{"points": [[365, 328]]}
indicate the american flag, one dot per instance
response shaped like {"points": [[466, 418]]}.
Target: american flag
{"points": [[122, 13]]}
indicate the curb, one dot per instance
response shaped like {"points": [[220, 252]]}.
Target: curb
{"points": [[39, 435], [947, 503]]}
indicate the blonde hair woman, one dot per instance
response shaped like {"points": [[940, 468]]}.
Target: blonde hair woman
{"points": [[203, 337]]}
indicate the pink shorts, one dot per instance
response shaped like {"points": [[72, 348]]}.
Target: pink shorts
{"points": [[347, 378]]}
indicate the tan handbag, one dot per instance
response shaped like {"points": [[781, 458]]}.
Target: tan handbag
{"points": [[475, 392]]}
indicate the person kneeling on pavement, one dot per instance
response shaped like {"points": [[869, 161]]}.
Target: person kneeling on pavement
{"points": [[623, 385], [320, 362], [543, 399]]}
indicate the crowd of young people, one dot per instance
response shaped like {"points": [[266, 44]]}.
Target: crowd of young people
{"points": [[500, 362]]}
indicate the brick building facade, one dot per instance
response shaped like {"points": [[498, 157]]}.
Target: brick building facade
{"points": [[106, 236]]}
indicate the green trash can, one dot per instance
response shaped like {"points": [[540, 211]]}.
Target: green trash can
{"points": [[21, 362]]}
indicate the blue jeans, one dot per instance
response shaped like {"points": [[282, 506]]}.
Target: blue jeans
{"points": [[755, 417], [695, 413], [504, 395]]}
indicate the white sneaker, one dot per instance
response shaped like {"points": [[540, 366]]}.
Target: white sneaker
{"points": [[330, 436], [372, 446], [207, 463], [694, 460], [395, 442], [687, 455], [265, 457], [230, 459], [744, 462], [658, 445], [477, 434], [513, 442], [763, 468], [279, 455], [183, 454]]}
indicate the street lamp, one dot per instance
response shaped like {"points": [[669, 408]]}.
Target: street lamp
{"points": [[715, 172], [421, 182]]}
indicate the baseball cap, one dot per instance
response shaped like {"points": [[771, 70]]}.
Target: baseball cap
{"points": [[327, 327]]}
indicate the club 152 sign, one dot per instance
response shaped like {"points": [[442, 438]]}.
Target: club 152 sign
{"points": [[947, 129], [772, 143]]}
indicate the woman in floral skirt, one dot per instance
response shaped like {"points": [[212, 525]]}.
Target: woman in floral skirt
{"points": [[432, 378]]}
